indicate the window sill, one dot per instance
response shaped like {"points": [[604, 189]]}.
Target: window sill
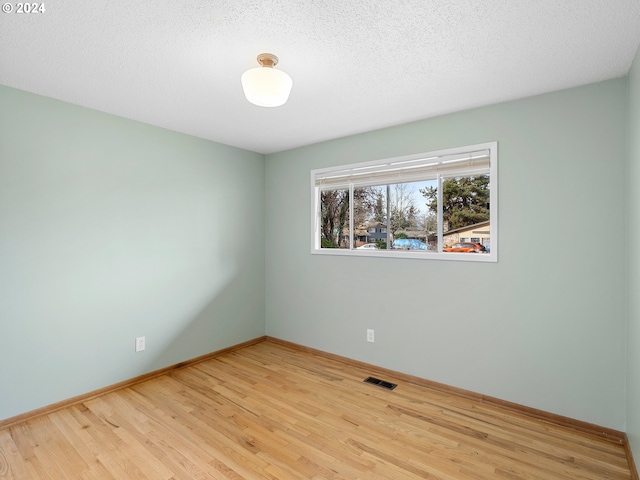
{"points": [[447, 256]]}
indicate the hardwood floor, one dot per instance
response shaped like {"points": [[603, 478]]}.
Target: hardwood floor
{"points": [[269, 411]]}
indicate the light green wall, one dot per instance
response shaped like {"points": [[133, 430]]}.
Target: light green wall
{"points": [[633, 234], [111, 229], [543, 327]]}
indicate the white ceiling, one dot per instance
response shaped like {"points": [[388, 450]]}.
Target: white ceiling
{"points": [[357, 65]]}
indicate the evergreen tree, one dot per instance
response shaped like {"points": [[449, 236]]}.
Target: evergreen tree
{"points": [[465, 200]]}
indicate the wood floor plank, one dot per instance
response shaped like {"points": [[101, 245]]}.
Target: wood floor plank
{"points": [[270, 411], [12, 464]]}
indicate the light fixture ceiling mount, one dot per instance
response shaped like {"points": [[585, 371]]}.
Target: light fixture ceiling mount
{"points": [[267, 60], [265, 86]]}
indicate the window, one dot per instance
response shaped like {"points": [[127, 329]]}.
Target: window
{"points": [[417, 206]]}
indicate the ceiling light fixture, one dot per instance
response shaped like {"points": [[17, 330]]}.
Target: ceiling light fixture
{"points": [[265, 86]]}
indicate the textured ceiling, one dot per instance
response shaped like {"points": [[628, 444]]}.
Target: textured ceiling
{"points": [[357, 65]]}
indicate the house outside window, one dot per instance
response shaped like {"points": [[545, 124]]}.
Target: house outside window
{"points": [[481, 232]]}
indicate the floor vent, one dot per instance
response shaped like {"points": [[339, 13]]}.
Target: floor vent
{"points": [[380, 383]]}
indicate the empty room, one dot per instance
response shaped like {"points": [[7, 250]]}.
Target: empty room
{"points": [[320, 240]]}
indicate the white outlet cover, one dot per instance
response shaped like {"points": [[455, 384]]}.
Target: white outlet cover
{"points": [[140, 344]]}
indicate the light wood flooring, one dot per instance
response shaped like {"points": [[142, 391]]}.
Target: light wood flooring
{"points": [[270, 411]]}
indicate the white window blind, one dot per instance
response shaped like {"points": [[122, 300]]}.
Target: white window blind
{"points": [[406, 170]]}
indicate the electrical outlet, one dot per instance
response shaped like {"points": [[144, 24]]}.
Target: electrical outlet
{"points": [[370, 336], [140, 344]]}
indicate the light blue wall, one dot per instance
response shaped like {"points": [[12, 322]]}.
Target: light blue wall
{"points": [[111, 229], [633, 288], [545, 326]]}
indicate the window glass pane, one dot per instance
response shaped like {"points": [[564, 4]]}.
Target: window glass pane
{"points": [[369, 217], [334, 218], [405, 210], [396, 217], [428, 216], [465, 213]]}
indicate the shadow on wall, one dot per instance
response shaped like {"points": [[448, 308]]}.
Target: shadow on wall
{"points": [[232, 314]]}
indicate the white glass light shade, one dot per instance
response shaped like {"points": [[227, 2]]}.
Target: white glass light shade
{"points": [[266, 87]]}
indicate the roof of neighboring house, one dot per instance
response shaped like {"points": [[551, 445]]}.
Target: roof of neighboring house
{"points": [[468, 227], [413, 233], [371, 224], [358, 231]]}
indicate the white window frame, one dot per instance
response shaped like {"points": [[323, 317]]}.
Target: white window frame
{"points": [[437, 160]]}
